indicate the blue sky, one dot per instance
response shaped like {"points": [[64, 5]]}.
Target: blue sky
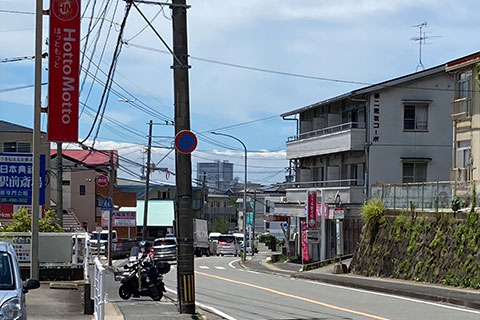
{"points": [[360, 40]]}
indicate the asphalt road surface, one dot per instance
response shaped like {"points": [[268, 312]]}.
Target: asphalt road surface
{"points": [[243, 294]]}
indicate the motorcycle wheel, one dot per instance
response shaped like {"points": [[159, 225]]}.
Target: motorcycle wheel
{"points": [[124, 293]]}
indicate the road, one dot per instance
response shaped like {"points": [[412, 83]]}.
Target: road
{"points": [[243, 294]]}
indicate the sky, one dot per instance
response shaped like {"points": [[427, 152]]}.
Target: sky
{"points": [[363, 41]]}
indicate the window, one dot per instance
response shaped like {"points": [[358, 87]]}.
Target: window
{"points": [[66, 182], [19, 147], [82, 190], [464, 85], [463, 157], [414, 172], [7, 281], [415, 117]]}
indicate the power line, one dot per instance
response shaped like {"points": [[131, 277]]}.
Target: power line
{"points": [[20, 87], [101, 110], [16, 11]]}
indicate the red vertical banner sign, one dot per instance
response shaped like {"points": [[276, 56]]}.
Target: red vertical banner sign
{"points": [[304, 229], [312, 209], [63, 70]]}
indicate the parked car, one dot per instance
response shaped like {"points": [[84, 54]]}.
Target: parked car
{"points": [[227, 244], [165, 249], [12, 290]]}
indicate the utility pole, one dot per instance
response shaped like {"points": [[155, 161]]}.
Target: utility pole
{"points": [[183, 162], [110, 214], [147, 181], [34, 272], [59, 184], [252, 240]]}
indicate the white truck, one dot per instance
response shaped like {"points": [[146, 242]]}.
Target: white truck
{"points": [[97, 248], [201, 245]]}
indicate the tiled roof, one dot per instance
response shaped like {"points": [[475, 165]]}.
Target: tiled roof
{"points": [[88, 157]]}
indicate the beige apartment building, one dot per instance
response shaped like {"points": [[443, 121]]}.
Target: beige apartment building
{"points": [[466, 118]]}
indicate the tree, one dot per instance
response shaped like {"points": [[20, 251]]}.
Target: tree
{"points": [[22, 222]]}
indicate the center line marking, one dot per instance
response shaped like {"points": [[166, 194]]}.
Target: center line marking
{"points": [[323, 304], [204, 267], [220, 268]]}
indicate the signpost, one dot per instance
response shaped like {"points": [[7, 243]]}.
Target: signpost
{"points": [[185, 142]]}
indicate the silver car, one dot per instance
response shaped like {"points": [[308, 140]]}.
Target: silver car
{"points": [[227, 244], [12, 290]]}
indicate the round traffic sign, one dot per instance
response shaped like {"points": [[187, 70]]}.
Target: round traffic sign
{"points": [[185, 141], [102, 180], [284, 224]]}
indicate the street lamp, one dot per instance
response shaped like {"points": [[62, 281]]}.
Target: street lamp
{"points": [[244, 223]]}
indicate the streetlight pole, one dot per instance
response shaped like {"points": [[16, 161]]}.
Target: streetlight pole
{"points": [[244, 222]]}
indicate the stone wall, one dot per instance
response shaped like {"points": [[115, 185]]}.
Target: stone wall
{"points": [[439, 248]]}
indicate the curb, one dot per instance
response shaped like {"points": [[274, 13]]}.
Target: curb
{"points": [[336, 280]]}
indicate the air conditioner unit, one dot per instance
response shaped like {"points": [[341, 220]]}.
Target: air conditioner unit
{"points": [[283, 199]]}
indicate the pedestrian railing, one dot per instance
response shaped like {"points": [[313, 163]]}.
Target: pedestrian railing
{"points": [[99, 291]]}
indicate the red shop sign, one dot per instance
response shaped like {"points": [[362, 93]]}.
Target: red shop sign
{"points": [[63, 70]]}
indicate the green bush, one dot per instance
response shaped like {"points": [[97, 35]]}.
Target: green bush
{"points": [[373, 214], [265, 238], [22, 222]]}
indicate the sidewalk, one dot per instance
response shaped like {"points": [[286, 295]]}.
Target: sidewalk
{"points": [[432, 292], [145, 308]]}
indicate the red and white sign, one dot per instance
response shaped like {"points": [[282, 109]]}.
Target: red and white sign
{"points": [[63, 70], [312, 209], [124, 218], [305, 255], [102, 180]]}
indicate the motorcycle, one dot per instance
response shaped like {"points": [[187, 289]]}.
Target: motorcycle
{"points": [[143, 279]]}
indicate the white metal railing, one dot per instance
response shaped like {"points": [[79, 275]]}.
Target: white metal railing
{"points": [[99, 291], [424, 196], [328, 130], [327, 183], [461, 108]]}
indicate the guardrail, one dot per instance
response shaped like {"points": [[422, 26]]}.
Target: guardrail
{"points": [[328, 130], [99, 291]]}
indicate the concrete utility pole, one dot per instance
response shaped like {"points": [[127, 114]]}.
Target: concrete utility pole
{"points": [[183, 162], [147, 181], [34, 272], [111, 168], [59, 184]]}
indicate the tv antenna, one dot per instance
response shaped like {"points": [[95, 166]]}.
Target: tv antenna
{"points": [[422, 37]]}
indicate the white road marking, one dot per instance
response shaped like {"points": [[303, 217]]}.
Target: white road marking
{"points": [[231, 263], [220, 268], [204, 267], [209, 308], [255, 272], [396, 297]]}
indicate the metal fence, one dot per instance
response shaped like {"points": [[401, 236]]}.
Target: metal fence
{"points": [[99, 291], [424, 196], [328, 130]]}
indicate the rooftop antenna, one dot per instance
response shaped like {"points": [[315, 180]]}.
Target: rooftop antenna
{"points": [[422, 37]]}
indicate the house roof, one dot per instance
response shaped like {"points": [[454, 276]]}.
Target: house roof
{"points": [[463, 61], [372, 88], [161, 213], [87, 157], [12, 127]]}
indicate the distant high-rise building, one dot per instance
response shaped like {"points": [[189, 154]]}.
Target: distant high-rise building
{"points": [[218, 176]]}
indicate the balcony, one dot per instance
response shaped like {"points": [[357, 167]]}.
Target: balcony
{"points": [[343, 137], [461, 174], [350, 190], [461, 108]]}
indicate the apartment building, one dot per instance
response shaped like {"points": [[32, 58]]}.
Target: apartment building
{"points": [[465, 116], [397, 131], [217, 175]]}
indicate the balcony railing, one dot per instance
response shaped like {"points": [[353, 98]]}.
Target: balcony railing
{"points": [[325, 184], [461, 108], [328, 130]]}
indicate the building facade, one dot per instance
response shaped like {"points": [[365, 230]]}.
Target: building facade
{"points": [[217, 176], [466, 118], [397, 131]]}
